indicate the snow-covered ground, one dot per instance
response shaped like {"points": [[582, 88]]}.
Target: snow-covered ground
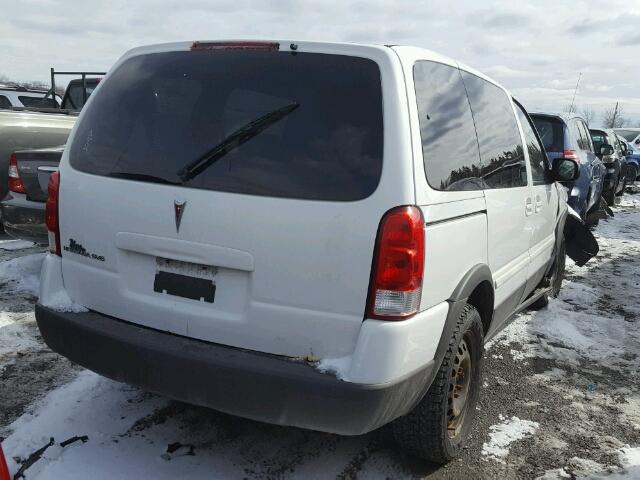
{"points": [[560, 397]]}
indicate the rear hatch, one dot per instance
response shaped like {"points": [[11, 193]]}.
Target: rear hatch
{"points": [[34, 167], [551, 131], [233, 194]]}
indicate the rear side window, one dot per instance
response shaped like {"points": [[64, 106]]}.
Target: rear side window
{"points": [[537, 155], [449, 144], [158, 117], [551, 132], [599, 138], [4, 102], [501, 151], [586, 138], [38, 102]]}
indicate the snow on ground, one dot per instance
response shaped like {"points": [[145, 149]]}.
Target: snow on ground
{"points": [[560, 397], [9, 244], [505, 433]]}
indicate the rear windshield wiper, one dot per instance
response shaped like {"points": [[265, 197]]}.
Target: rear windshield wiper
{"points": [[233, 141], [142, 177]]}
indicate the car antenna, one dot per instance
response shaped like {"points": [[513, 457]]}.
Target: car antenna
{"points": [[574, 92]]}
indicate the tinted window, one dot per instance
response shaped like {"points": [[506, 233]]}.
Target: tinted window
{"points": [[158, 113], [537, 156], [501, 152], [74, 96], [449, 144], [599, 138], [586, 138], [551, 131], [38, 102], [4, 102]]}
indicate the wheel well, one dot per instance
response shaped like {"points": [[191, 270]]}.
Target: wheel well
{"points": [[482, 299]]}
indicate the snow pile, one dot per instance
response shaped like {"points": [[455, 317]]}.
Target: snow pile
{"points": [[22, 274], [15, 244], [61, 302], [630, 457], [504, 434], [338, 366]]}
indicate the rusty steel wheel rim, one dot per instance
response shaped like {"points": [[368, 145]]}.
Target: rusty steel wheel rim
{"points": [[459, 389]]}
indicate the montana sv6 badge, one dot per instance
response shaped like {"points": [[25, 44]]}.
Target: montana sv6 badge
{"points": [[75, 247]]}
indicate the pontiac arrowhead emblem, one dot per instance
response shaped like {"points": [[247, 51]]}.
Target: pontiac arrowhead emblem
{"points": [[178, 208]]}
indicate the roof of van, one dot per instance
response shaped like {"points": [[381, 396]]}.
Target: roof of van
{"points": [[565, 117], [301, 46]]}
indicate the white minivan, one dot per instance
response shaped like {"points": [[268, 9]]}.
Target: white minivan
{"points": [[310, 234]]}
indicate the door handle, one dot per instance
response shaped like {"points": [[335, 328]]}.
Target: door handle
{"points": [[528, 206], [538, 203]]}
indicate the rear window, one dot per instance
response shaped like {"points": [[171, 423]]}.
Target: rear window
{"points": [[37, 102], [599, 138], [551, 132], [74, 95], [320, 117], [4, 102]]}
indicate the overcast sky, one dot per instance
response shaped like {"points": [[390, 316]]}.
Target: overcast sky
{"points": [[535, 50]]}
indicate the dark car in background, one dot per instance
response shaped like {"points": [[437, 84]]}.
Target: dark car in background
{"points": [[631, 166], [23, 209], [633, 156], [614, 161], [567, 136]]}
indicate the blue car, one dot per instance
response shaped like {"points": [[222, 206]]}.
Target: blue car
{"points": [[632, 155], [567, 136]]}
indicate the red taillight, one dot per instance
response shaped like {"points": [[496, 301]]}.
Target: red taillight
{"points": [[398, 264], [51, 213], [15, 181], [235, 46], [4, 469], [571, 155]]}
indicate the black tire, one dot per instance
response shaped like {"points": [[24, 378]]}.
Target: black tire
{"points": [[556, 278], [624, 186], [424, 432], [610, 195]]}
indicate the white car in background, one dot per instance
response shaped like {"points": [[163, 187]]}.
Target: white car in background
{"points": [[17, 96], [295, 233]]}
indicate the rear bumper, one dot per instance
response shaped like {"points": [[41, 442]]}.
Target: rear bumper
{"points": [[262, 387], [24, 218]]}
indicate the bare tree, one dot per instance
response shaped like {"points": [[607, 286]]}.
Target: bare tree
{"points": [[612, 117], [568, 108], [589, 114]]}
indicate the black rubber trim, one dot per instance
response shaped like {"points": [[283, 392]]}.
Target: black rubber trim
{"points": [[474, 277], [458, 217], [262, 387]]}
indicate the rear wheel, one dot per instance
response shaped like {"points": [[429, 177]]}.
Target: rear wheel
{"points": [[435, 430]]}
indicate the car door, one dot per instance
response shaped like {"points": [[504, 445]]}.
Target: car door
{"points": [[542, 222], [587, 155], [507, 192]]}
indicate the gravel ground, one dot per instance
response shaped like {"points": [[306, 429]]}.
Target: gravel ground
{"points": [[568, 374]]}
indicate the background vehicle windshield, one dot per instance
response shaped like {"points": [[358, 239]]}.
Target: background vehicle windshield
{"points": [[157, 113], [629, 135]]}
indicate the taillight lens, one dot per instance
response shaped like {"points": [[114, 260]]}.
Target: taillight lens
{"points": [[571, 155], [396, 278], [15, 181], [51, 213]]}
